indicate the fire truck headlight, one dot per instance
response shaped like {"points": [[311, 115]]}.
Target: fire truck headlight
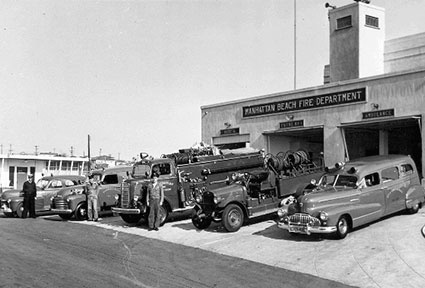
{"points": [[136, 198], [198, 198]]}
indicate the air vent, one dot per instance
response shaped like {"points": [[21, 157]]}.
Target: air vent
{"points": [[372, 21], [344, 22]]}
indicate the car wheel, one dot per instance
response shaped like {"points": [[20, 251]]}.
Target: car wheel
{"points": [[131, 218], [65, 216], [81, 212], [201, 222], [414, 209], [233, 218], [20, 210], [342, 227], [163, 214]]}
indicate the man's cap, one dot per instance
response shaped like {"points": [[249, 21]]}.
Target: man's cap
{"points": [[30, 176]]}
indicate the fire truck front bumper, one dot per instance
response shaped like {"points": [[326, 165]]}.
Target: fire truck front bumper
{"points": [[126, 210]]}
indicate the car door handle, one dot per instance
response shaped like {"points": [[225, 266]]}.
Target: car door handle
{"points": [[383, 187], [355, 200]]}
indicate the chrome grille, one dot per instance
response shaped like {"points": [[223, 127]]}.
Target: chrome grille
{"points": [[125, 195], [60, 203], [299, 218]]}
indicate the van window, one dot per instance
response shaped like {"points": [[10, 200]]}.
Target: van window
{"points": [[406, 169], [372, 179], [389, 174]]}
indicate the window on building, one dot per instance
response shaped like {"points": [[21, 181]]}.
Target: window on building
{"points": [[54, 165], [11, 176], [372, 21], [66, 165], [76, 166], [343, 22]]}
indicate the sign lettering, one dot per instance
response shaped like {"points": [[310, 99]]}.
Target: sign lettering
{"points": [[319, 101], [378, 114], [290, 124], [229, 131]]}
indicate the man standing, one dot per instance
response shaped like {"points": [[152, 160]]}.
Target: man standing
{"points": [[154, 199], [30, 192], [92, 193]]}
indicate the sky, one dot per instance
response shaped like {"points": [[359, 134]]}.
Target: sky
{"points": [[133, 74]]}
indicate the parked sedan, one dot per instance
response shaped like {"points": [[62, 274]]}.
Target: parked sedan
{"points": [[354, 194], [12, 201]]}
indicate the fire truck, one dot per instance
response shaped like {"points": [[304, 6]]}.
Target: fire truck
{"points": [[179, 173], [254, 193]]}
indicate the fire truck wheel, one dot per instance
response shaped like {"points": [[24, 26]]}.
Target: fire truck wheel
{"points": [[131, 218], [65, 216], [20, 210], [201, 222], [163, 214], [233, 218], [81, 212]]}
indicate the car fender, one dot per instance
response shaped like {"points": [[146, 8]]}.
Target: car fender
{"points": [[415, 194], [75, 200], [14, 202], [334, 213]]}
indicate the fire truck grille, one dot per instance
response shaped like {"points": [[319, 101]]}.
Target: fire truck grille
{"points": [[60, 203], [125, 195]]}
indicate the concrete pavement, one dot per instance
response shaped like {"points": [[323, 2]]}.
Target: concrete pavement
{"points": [[388, 253]]}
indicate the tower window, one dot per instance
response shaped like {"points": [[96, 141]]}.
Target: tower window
{"points": [[343, 22], [372, 21]]}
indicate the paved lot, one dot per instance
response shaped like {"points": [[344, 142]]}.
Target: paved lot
{"points": [[388, 253]]}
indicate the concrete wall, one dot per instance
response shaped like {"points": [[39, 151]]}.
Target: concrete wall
{"points": [[405, 53]]}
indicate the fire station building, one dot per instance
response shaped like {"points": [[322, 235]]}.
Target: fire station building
{"points": [[372, 101]]}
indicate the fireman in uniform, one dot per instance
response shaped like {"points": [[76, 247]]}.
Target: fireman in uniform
{"points": [[154, 199], [30, 192]]}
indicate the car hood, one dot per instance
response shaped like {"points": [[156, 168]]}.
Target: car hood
{"points": [[328, 194], [64, 192], [11, 193]]}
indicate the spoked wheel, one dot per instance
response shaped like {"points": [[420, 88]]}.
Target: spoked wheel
{"points": [[342, 227], [81, 212], [233, 218]]}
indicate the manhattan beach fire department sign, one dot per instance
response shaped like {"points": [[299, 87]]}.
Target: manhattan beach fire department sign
{"points": [[318, 101]]}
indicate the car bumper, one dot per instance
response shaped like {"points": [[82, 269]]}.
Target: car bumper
{"points": [[61, 211], [6, 209], [306, 229], [126, 210]]}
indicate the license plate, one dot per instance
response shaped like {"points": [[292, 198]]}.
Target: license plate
{"points": [[298, 229]]}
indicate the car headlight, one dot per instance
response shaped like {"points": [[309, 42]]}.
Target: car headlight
{"points": [[323, 216], [8, 201], [281, 213], [117, 197]]}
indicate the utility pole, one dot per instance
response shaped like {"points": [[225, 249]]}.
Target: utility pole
{"points": [[88, 143], [36, 150], [72, 151]]}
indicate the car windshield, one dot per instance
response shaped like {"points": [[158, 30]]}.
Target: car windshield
{"points": [[141, 170], [42, 183], [338, 180], [345, 180]]}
